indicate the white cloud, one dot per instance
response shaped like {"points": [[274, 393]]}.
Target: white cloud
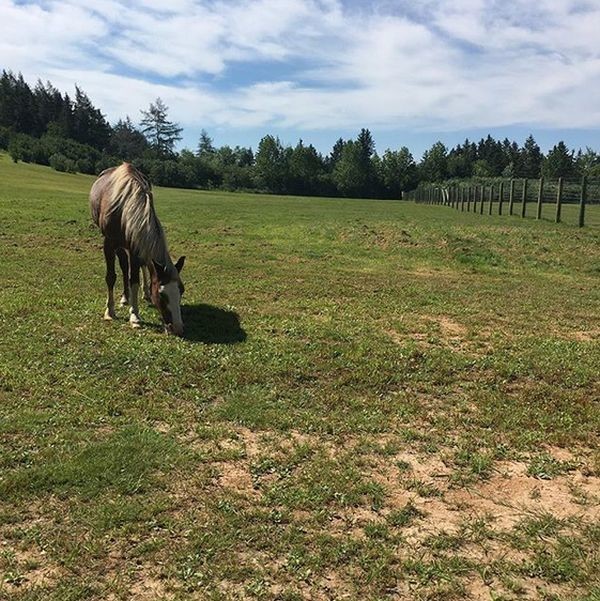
{"points": [[446, 64]]}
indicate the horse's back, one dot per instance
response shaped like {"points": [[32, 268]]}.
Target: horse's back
{"points": [[121, 206], [99, 195]]}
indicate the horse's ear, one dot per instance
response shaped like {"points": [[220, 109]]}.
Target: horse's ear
{"points": [[160, 269], [179, 264]]}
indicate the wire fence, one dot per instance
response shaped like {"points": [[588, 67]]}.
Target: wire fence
{"points": [[524, 197]]}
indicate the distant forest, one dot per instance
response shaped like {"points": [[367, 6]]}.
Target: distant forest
{"points": [[43, 125]]}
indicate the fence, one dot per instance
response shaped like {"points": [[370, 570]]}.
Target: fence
{"points": [[524, 197]]}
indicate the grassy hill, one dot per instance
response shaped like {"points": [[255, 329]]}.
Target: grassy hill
{"points": [[374, 400]]}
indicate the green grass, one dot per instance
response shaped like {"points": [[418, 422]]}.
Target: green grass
{"points": [[364, 390]]}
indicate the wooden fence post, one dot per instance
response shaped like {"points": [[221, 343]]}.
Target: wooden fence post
{"points": [[582, 201], [481, 199], [540, 198], [559, 195], [469, 199], [500, 198], [491, 199], [511, 198], [524, 198]]}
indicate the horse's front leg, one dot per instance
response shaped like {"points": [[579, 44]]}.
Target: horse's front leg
{"points": [[134, 284], [146, 283], [124, 263], [111, 278]]}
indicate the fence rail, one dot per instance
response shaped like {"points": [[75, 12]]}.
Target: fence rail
{"points": [[525, 197]]}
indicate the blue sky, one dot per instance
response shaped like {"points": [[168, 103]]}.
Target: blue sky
{"points": [[413, 72]]}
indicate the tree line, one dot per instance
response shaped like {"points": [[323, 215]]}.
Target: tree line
{"points": [[42, 125]]}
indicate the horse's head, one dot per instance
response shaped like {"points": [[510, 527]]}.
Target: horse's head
{"points": [[167, 289]]}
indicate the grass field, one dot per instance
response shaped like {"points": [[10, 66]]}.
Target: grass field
{"points": [[375, 400]]}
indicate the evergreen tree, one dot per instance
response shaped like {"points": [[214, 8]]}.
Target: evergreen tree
{"points": [[461, 159], [559, 162], [17, 108], [205, 145], [306, 169], [513, 160], [126, 142], [159, 131], [89, 124], [63, 126], [366, 144], [369, 162], [48, 103], [434, 166], [335, 154], [532, 159]]}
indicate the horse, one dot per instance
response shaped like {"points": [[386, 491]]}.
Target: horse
{"points": [[122, 206]]}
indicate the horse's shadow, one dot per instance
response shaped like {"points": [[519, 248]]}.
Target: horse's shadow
{"points": [[211, 325]]}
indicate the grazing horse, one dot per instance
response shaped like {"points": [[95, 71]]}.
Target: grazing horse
{"points": [[122, 207]]}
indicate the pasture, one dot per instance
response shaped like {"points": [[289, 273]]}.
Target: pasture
{"points": [[374, 400]]}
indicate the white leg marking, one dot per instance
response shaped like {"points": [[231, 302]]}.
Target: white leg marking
{"points": [[146, 279], [134, 312], [110, 314]]}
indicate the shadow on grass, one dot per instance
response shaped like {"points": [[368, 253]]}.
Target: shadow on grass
{"points": [[211, 325]]}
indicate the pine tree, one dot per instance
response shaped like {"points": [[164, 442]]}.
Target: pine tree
{"points": [[532, 158], [159, 131], [126, 142], [368, 161], [306, 169], [335, 154], [205, 145], [89, 124], [559, 162]]}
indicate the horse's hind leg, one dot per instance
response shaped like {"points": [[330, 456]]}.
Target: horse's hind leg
{"points": [[111, 278], [134, 284], [146, 283], [124, 263]]}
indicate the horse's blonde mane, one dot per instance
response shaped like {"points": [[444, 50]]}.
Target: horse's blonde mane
{"points": [[131, 195]]}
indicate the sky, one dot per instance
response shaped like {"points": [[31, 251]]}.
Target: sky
{"points": [[412, 71]]}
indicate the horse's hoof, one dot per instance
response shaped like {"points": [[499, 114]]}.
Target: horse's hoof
{"points": [[136, 325], [123, 301], [109, 315]]}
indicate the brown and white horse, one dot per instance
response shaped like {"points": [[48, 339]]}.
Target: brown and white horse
{"points": [[123, 208]]}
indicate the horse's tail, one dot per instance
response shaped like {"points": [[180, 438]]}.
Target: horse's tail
{"points": [[131, 196]]}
